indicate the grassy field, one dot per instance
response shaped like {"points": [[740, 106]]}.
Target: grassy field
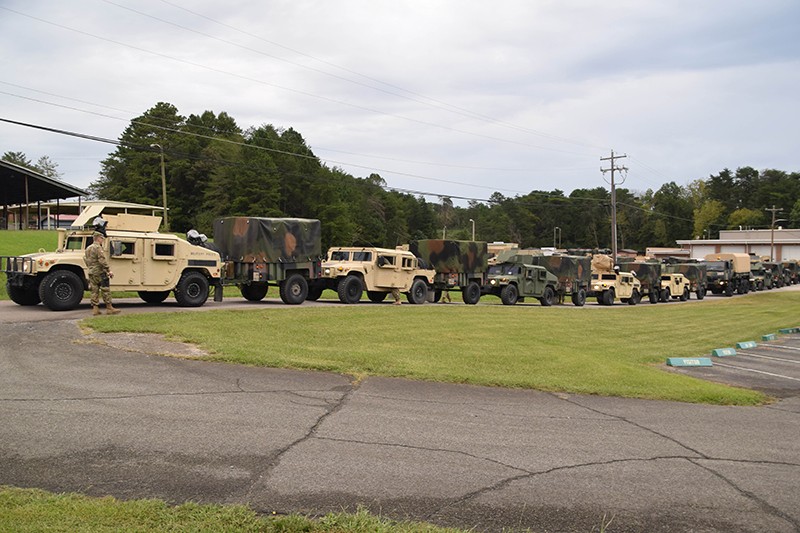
{"points": [[24, 242], [31, 510], [617, 351]]}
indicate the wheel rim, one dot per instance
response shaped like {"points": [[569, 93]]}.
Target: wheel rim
{"points": [[63, 291], [295, 289], [193, 290]]}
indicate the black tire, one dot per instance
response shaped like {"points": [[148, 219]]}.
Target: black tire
{"points": [[701, 293], [376, 297], [192, 290], [294, 289], [509, 295], [418, 293], [579, 298], [61, 290], [437, 295], [685, 295], [314, 293], [653, 296], [547, 296], [728, 290], [635, 298], [600, 299], [665, 295], [608, 297], [153, 297], [254, 292], [350, 290], [471, 294], [25, 295]]}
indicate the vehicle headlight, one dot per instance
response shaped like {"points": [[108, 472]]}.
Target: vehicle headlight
{"points": [[327, 271], [493, 282]]}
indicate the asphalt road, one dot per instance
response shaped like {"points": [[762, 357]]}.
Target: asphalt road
{"points": [[106, 415]]}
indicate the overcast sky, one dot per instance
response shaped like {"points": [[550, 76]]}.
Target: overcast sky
{"points": [[448, 97]]}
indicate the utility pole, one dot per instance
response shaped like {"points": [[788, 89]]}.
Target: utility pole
{"points": [[774, 212], [613, 168]]}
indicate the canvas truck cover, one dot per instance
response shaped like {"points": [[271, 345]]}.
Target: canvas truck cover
{"points": [[694, 272], [602, 263], [741, 262], [648, 273], [271, 240], [566, 268], [449, 256]]}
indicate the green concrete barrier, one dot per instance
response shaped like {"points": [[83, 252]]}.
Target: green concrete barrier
{"points": [[723, 352], [689, 361]]}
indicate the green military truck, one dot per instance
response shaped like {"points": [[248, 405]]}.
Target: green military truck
{"points": [[649, 275], [460, 266], [259, 252], [727, 273], [760, 276], [791, 271], [515, 279], [775, 274]]}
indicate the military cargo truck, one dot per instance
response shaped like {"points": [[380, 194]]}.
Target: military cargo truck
{"points": [[258, 252], [574, 274], [608, 283], [649, 275], [141, 259], [695, 272], [514, 280], [674, 286], [459, 266], [727, 273], [351, 270], [775, 274]]}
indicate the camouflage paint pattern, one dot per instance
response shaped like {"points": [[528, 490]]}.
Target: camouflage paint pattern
{"points": [[268, 240], [696, 273], [567, 268], [449, 256], [649, 273], [791, 269]]}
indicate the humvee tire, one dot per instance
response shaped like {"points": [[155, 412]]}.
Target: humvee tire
{"points": [[547, 297], [471, 294], [23, 295], [701, 293], [685, 295], [376, 296], [350, 290], [61, 290], [608, 297], [254, 292], [192, 289], [653, 296], [153, 297], [418, 293], [665, 295], [294, 289], [509, 295], [635, 298]]}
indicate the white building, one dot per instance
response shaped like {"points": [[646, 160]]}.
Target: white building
{"points": [[781, 244]]}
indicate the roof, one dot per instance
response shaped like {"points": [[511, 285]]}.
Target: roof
{"points": [[13, 180]]}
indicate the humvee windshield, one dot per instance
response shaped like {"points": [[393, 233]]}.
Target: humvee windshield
{"points": [[716, 266], [340, 256], [362, 256], [74, 243], [508, 270]]}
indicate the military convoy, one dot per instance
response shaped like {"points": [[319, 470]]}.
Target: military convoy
{"points": [[253, 253]]}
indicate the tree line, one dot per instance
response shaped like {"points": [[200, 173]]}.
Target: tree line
{"points": [[215, 168]]}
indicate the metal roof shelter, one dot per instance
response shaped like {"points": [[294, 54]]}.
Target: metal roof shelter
{"points": [[20, 186]]}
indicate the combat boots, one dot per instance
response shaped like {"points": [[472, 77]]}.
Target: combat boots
{"points": [[95, 310], [111, 310]]}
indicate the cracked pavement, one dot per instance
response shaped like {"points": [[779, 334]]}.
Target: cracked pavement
{"points": [[109, 417]]}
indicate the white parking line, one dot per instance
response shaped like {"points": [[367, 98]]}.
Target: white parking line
{"points": [[782, 347], [756, 371], [770, 358]]}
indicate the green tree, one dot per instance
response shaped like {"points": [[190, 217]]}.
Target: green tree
{"points": [[745, 217], [708, 218]]}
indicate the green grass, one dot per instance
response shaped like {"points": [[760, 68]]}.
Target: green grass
{"points": [[32, 510], [617, 351], [24, 242]]}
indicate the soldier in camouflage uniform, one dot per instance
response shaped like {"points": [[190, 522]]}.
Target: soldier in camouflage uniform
{"points": [[99, 274]]}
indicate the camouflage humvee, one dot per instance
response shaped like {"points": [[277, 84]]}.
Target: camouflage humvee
{"points": [[760, 277], [258, 252], [351, 270], [775, 274], [514, 280], [459, 265], [791, 269], [141, 259], [674, 286]]}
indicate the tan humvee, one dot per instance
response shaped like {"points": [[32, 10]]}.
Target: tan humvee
{"points": [[351, 270], [140, 258], [675, 286], [608, 285]]}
